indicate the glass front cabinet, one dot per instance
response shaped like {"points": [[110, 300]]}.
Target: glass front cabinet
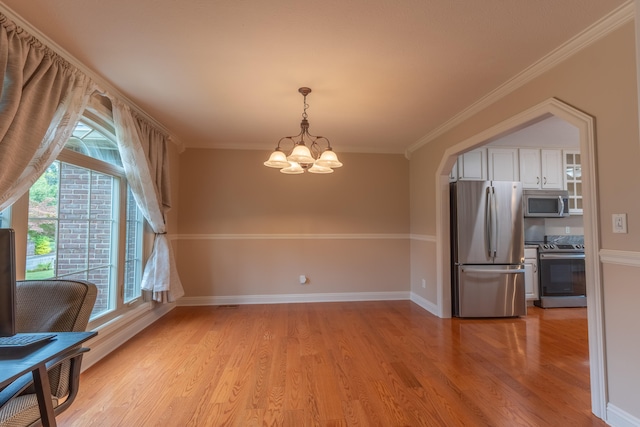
{"points": [[573, 180]]}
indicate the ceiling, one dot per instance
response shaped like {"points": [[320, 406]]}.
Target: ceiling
{"points": [[383, 73], [552, 132]]}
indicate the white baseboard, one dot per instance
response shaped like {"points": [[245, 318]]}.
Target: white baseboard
{"points": [[293, 298], [425, 303], [115, 333], [616, 417]]}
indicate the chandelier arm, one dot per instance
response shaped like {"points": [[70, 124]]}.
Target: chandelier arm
{"points": [[289, 138], [315, 138], [317, 148], [321, 138]]}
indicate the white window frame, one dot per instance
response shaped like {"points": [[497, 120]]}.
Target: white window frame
{"points": [[98, 117]]}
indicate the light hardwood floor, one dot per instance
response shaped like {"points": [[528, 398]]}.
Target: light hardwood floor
{"points": [[342, 364]]}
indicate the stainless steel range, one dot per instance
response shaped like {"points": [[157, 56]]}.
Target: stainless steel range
{"points": [[562, 275]]}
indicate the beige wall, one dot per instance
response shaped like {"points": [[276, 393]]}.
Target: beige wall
{"points": [[174, 174], [245, 229], [601, 81], [424, 281]]}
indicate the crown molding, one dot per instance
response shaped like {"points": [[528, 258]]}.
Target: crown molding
{"points": [[595, 32], [102, 83]]}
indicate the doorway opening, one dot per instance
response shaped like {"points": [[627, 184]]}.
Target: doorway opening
{"points": [[586, 128]]}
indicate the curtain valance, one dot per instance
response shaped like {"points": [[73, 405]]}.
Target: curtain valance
{"points": [[41, 100]]}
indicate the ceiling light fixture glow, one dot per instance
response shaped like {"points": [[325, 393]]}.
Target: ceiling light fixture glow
{"points": [[318, 157]]}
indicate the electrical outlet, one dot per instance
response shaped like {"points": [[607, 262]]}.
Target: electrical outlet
{"points": [[567, 230], [619, 223], [424, 283]]}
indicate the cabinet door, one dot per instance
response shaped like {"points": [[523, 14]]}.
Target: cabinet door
{"points": [[473, 165], [528, 280], [531, 279], [552, 171], [531, 274], [530, 174], [573, 180], [503, 164]]}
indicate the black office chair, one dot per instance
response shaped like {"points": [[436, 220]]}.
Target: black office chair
{"points": [[48, 306]]}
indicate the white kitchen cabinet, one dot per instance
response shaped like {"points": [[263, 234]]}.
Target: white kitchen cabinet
{"points": [[502, 164], [541, 168], [573, 180], [530, 167], [531, 273], [472, 165], [552, 172]]}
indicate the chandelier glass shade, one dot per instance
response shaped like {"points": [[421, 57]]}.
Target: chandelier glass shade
{"points": [[309, 153]]}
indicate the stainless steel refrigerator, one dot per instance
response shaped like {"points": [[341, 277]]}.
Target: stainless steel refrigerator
{"points": [[487, 249]]}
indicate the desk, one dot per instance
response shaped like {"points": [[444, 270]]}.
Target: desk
{"points": [[13, 366]]}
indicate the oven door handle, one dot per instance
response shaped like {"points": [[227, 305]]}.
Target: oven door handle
{"points": [[561, 256], [492, 270]]}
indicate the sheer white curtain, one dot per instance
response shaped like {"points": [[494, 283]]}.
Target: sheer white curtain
{"points": [[143, 150], [41, 100]]}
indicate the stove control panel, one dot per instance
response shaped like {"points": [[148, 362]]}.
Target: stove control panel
{"points": [[560, 247]]}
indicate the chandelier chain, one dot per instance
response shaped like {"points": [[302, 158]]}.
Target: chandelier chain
{"points": [[305, 106]]}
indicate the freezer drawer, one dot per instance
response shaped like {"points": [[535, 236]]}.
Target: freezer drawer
{"points": [[490, 291]]}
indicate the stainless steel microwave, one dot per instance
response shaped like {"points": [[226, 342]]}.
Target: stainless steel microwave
{"points": [[546, 203]]}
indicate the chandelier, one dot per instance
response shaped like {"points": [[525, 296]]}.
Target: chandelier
{"points": [[318, 157]]}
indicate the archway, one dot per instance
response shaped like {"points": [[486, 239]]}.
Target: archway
{"points": [[586, 127]]}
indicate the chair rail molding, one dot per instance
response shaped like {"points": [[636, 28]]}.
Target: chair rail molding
{"points": [[612, 256], [276, 236]]}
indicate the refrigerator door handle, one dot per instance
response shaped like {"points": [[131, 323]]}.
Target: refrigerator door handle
{"points": [[487, 222], [494, 224], [491, 270]]}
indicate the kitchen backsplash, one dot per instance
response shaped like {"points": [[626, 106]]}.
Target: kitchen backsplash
{"points": [[566, 239], [535, 229]]}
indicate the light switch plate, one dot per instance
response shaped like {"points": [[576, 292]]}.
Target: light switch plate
{"points": [[619, 223]]}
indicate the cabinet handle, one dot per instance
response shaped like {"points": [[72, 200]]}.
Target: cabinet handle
{"points": [[537, 180], [545, 180], [535, 267]]}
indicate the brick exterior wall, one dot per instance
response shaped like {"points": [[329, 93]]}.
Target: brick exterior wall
{"points": [[82, 195]]}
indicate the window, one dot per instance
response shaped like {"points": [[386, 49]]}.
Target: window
{"points": [[84, 222], [5, 218]]}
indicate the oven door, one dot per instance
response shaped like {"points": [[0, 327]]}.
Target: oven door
{"points": [[562, 275]]}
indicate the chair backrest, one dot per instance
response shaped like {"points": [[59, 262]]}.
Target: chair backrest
{"points": [[54, 306]]}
